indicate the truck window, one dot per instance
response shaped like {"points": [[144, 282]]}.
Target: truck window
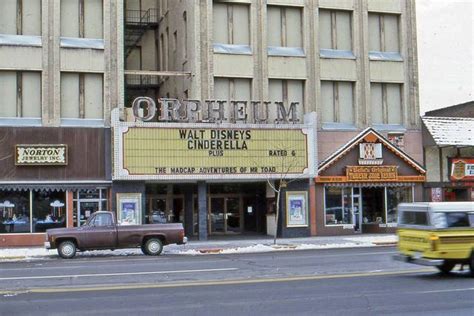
{"points": [[457, 219], [414, 218], [102, 220]]}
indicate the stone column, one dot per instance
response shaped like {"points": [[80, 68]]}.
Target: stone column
{"points": [[188, 210]]}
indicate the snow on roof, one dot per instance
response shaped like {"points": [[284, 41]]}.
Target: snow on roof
{"points": [[450, 131]]}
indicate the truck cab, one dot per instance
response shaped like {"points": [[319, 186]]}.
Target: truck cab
{"points": [[439, 234]]}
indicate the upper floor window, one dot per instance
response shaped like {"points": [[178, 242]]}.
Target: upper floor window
{"points": [[288, 92], [337, 102], [21, 94], [384, 33], [20, 17], [284, 29], [335, 30], [386, 103], [82, 96], [231, 23], [82, 18], [233, 89]]}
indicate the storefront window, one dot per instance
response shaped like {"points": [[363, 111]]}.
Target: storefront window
{"points": [[338, 205], [395, 196], [14, 212], [49, 210]]}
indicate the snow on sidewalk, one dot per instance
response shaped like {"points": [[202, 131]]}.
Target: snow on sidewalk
{"points": [[206, 248]]}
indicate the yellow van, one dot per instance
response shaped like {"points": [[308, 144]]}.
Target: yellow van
{"points": [[439, 234]]}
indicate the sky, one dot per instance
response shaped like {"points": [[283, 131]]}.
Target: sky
{"points": [[445, 30]]}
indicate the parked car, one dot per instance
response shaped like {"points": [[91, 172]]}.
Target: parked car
{"points": [[436, 234], [102, 232]]}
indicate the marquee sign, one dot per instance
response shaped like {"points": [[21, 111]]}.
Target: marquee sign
{"points": [[160, 151], [41, 155]]}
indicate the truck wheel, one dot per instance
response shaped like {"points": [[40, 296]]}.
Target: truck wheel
{"points": [[67, 249], [446, 267], [153, 247]]}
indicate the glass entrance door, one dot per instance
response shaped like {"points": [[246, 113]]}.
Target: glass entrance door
{"points": [[225, 215], [233, 218], [356, 205], [217, 215]]}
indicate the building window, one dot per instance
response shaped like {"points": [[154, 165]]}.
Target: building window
{"points": [[338, 206], [82, 18], [386, 103], [335, 30], [384, 32], [20, 17], [82, 96], [233, 89], [288, 92], [285, 26], [231, 23], [20, 94], [395, 196], [48, 210], [337, 102]]}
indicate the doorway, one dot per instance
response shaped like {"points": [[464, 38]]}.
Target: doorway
{"points": [[225, 215], [373, 205]]}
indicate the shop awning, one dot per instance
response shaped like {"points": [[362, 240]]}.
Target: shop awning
{"points": [[62, 186]]}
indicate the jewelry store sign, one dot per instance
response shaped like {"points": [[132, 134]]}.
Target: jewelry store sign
{"points": [[41, 155], [160, 151]]}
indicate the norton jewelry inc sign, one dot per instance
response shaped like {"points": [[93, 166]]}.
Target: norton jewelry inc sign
{"points": [[200, 151], [41, 155]]}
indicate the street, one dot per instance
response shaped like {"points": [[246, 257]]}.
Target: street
{"points": [[323, 282]]}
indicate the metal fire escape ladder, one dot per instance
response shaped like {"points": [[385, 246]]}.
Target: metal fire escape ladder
{"points": [[137, 22]]}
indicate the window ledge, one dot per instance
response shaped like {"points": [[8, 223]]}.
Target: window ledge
{"points": [[285, 51], [389, 127], [338, 126], [20, 121], [72, 42], [20, 40], [232, 49], [336, 53], [385, 56], [82, 122]]}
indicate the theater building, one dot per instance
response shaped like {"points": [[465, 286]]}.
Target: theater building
{"points": [[361, 184]]}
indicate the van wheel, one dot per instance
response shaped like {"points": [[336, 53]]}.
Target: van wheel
{"points": [[446, 267], [67, 249], [153, 247]]}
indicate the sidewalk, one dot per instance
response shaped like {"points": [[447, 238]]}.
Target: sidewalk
{"points": [[253, 244]]}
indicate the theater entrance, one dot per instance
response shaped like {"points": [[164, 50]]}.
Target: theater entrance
{"points": [[225, 215]]}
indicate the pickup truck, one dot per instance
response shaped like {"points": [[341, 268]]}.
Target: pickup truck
{"points": [[102, 232]]}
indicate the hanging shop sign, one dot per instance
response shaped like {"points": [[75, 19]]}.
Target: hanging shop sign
{"points": [[41, 155], [159, 151], [462, 169]]}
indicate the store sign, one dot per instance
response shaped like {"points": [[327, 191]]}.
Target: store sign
{"points": [[209, 111], [371, 173], [41, 155], [462, 169]]}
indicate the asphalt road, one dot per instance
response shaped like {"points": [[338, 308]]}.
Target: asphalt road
{"points": [[363, 281]]}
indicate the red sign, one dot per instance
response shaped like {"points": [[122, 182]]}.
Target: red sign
{"points": [[462, 169]]}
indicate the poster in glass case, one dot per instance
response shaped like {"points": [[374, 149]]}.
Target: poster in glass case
{"points": [[129, 208], [296, 209]]}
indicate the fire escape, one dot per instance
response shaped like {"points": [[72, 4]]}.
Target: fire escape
{"points": [[137, 23]]}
